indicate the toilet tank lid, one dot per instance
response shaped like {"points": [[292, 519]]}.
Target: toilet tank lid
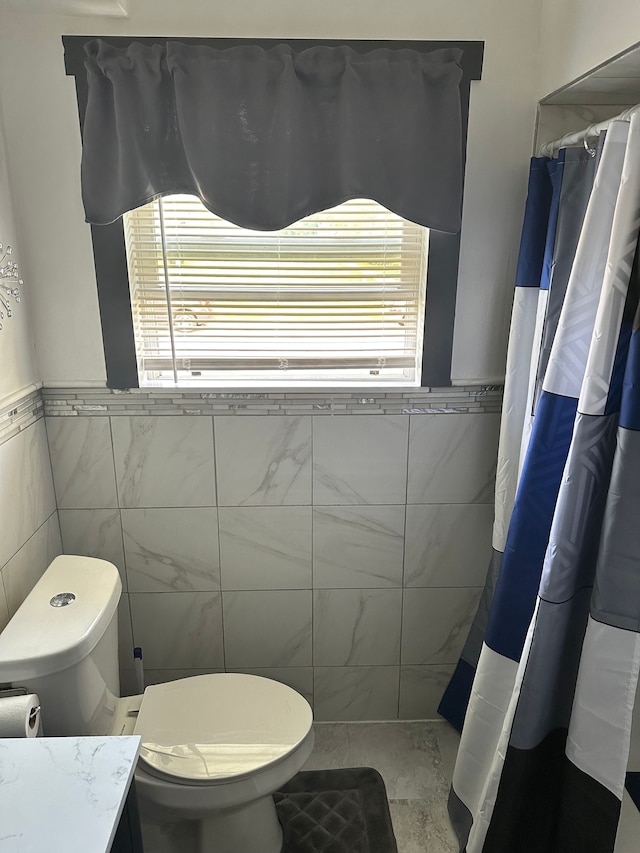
{"points": [[41, 638]]}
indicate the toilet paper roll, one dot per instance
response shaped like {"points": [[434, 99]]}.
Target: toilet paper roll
{"points": [[20, 716]]}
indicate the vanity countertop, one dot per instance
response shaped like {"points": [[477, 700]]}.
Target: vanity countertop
{"points": [[63, 794]]}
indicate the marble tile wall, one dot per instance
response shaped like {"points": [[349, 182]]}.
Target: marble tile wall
{"points": [[343, 555], [29, 530]]}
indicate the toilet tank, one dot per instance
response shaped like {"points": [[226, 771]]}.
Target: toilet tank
{"points": [[62, 644]]}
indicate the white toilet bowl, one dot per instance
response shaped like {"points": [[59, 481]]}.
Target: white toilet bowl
{"points": [[215, 748]]}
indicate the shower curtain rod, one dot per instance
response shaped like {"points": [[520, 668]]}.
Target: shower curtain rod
{"points": [[578, 136]]}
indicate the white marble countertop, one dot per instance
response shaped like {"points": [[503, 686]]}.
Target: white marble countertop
{"points": [[63, 794]]}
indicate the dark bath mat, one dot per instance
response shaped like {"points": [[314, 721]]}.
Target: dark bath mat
{"points": [[336, 811]]}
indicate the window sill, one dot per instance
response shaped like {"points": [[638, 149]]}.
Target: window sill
{"points": [[91, 401]]}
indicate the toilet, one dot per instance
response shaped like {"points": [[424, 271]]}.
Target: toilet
{"points": [[214, 748]]}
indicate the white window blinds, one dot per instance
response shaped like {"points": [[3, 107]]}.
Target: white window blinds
{"points": [[335, 298]]}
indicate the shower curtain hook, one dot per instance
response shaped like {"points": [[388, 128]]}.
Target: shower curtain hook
{"points": [[591, 151]]}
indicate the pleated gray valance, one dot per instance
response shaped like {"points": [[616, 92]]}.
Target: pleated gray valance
{"points": [[267, 136]]}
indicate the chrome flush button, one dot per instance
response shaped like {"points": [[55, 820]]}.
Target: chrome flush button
{"points": [[62, 599]]}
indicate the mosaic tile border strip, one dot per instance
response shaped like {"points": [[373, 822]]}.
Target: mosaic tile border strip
{"points": [[87, 402], [20, 414]]}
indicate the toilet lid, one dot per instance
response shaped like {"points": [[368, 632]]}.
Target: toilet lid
{"points": [[219, 727]]}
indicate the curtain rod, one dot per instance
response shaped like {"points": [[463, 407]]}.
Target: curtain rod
{"points": [[581, 136]]}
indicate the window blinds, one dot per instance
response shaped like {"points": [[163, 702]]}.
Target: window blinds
{"points": [[337, 296]]}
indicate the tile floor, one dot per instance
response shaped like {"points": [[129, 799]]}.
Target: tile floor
{"points": [[415, 759]]}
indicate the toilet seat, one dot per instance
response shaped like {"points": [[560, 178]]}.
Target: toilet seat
{"points": [[214, 729]]}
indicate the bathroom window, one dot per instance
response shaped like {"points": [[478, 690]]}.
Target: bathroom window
{"points": [[134, 294], [335, 298]]}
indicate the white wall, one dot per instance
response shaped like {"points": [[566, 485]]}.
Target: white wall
{"points": [[30, 535], [44, 151], [16, 344], [578, 35]]}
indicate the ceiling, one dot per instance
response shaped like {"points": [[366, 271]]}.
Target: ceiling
{"points": [[109, 8], [615, 82]]}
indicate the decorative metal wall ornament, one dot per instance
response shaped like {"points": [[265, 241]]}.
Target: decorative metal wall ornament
{"points": [[10, 283]]}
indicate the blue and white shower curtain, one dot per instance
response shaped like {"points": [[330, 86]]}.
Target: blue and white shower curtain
{"points": [[544, 691]]}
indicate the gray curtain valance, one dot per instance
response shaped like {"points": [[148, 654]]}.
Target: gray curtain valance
{"points": [[266, 137]]}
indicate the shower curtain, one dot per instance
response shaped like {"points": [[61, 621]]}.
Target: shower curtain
{"points": [[545, 688]]}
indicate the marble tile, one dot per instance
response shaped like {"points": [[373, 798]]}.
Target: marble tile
{"points": [[410, 763], [162, 676], [356, 627], [125, 634], [4, 607], [265, 547], [421, 689], [171, 549], [300, 678], [360, 460], [447, 544], [415, 759], [94, 533], [435, 624], [628, 826], [267, 629], [355, 692], [330, 747], [358, 546], [421, 825], [25, 568], [164, 461], [178, 630], [263, 461], [82, 462], [128, 684], [452, 458], [448, 742], [27, 498]]}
